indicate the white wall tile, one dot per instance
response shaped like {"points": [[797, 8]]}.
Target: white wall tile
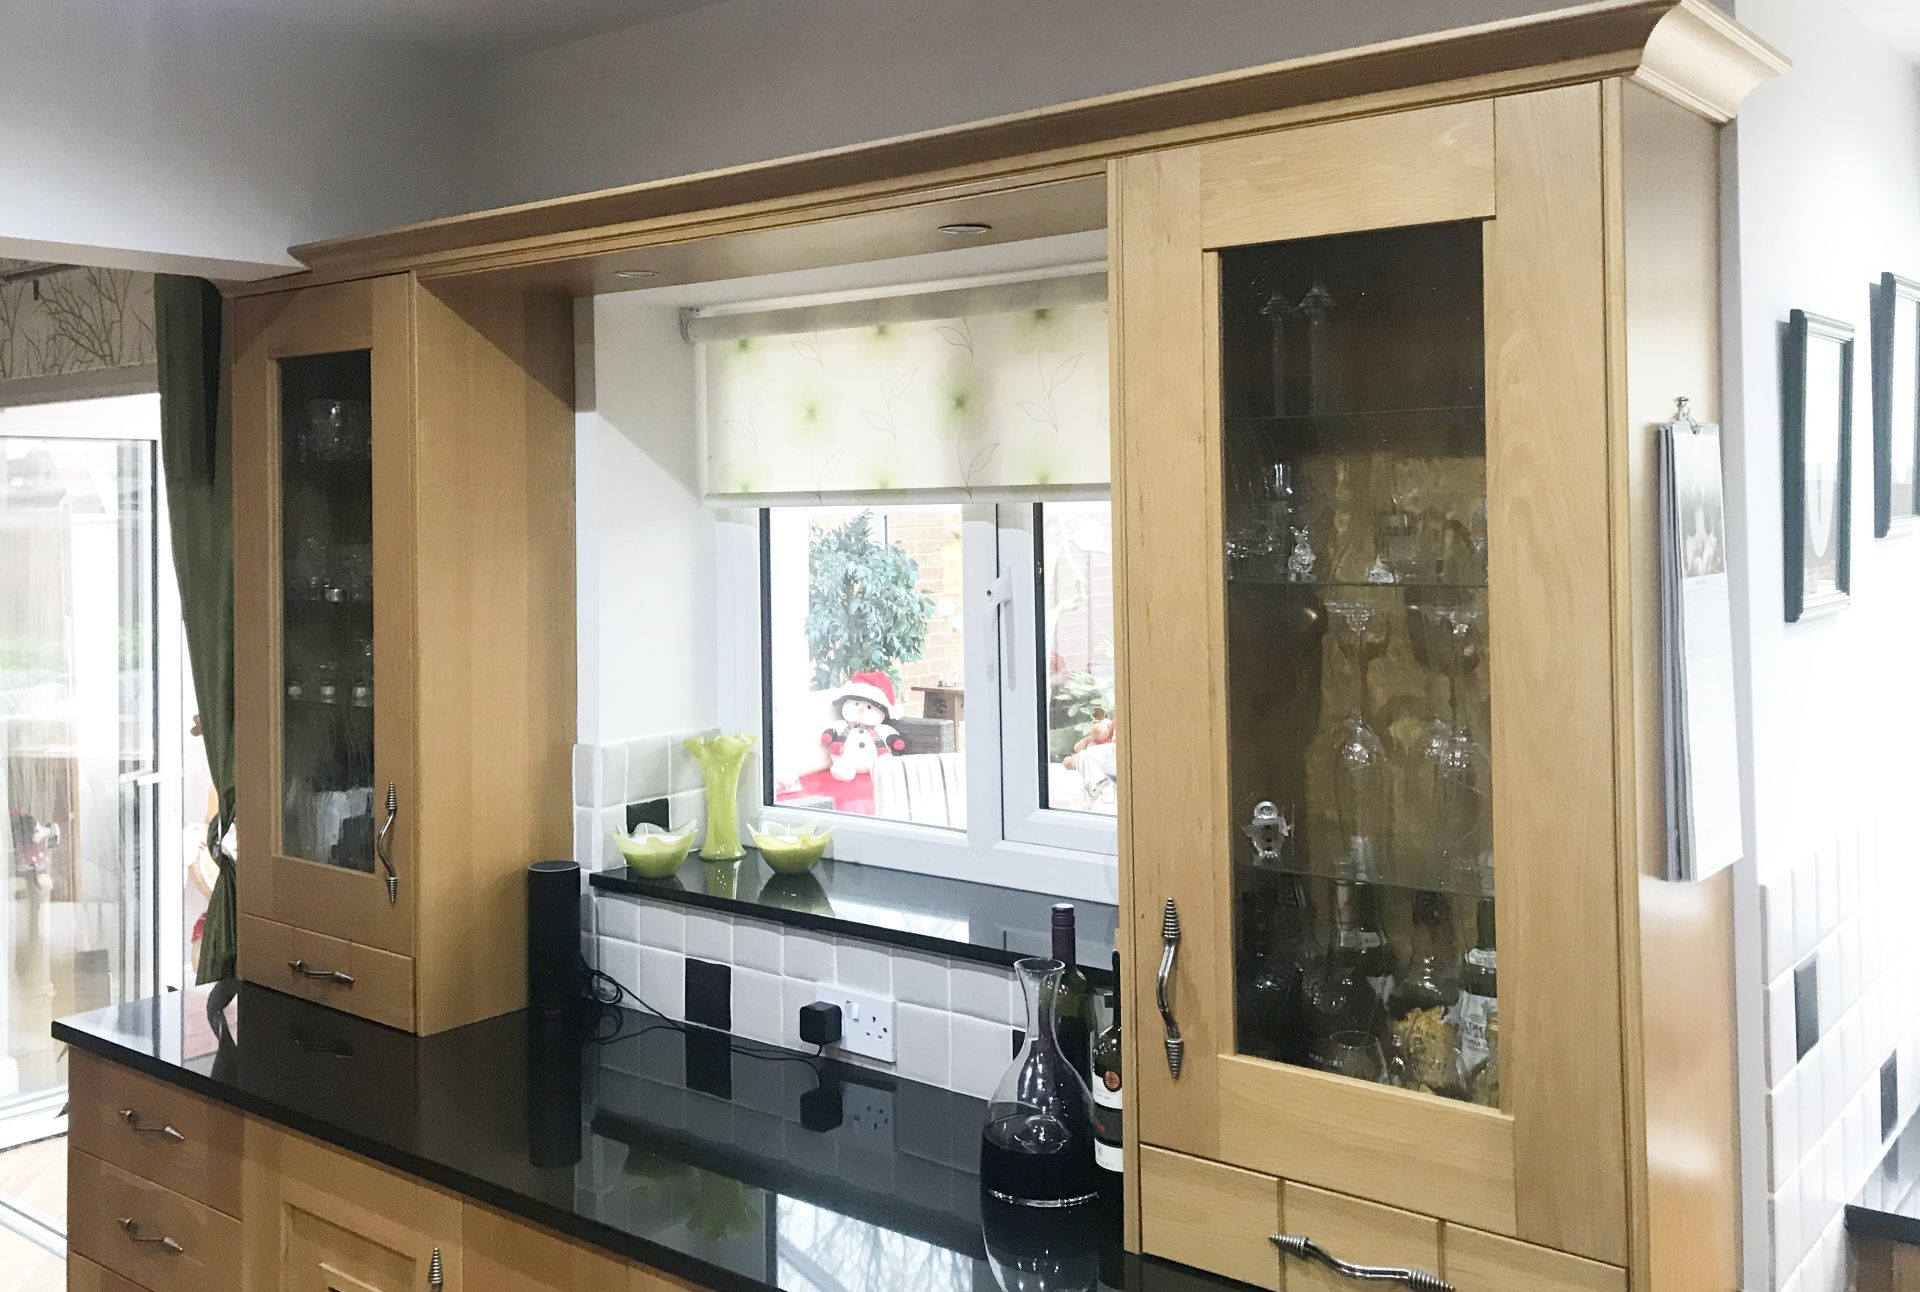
{"points": [[586, 838], [646, 769], [611, 786], [757, 1005], [620, 961], [863, 966], [1830, 981], [1826, 869], [586, 790], [620, 920], [1784, 1214], [687, 809], [663, 981], [1806, 909], [925, 1046], [613, 820], [794, 993], [756, 945], [709, 936], [662, 926], [809, 955], [920, 978], [980, 991], [982, 1052], [1776, 904], [1783, 1126], [1780, 1027]]}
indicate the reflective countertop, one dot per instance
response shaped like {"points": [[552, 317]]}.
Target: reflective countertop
{"points": [[731, 1164], [1889, 1203]]}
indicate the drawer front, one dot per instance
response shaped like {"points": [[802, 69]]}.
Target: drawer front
{"points": [[173, 1244], [1212, 1217], [84, 1276], [343, 975], [1481, 1262], [1359, 1233], [156, 1131]]}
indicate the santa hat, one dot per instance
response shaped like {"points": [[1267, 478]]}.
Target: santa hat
{"points": [[875, 688]]}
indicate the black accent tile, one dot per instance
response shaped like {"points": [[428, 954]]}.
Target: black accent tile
{"points": [[647, 812], [1806, 1006], [1019, 1039], [710, 994], [709, 1064], [1889, 1095]]}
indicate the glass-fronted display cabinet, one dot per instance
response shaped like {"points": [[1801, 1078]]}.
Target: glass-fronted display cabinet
{"points": [[324, 530], [1368, 622]]}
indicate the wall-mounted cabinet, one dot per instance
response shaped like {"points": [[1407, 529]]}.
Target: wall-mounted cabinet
{"points": [[404, 639]]}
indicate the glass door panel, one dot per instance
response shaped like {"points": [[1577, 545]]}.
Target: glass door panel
{"points": [[326, 517], [1354, 453]]}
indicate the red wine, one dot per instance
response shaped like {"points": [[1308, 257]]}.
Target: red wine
{"points": [[1035, 1161]]}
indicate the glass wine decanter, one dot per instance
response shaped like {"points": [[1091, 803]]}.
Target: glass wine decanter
{"points": [[1037, 1147]]}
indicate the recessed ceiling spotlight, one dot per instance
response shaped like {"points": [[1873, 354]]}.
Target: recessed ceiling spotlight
{"points": [[636, 273], [965, 230]]}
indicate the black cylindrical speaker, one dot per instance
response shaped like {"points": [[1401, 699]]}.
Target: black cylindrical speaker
{"points": [[554, 980]]}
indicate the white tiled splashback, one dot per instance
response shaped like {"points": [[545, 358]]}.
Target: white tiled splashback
{"points": [[955, 1020], [1837, 923]]}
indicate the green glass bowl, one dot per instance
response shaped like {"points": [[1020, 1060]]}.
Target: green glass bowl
{"points": [[653, 853], [792, 850]]}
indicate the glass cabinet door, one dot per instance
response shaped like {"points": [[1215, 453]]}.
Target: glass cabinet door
{"points": [[1352, 394], [327, 808], [1365, 471]]}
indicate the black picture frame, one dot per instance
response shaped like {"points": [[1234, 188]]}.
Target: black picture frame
{"points": [[1816, 443], [1896, 406]]}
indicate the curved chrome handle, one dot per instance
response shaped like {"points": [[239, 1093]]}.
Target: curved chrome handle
{"points": [[132, 1119], [1302, 1246], [161, 1241], [383, 850], [305, 970], [1170, 947]]}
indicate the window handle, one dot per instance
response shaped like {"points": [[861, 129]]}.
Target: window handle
{"points": [[998, 594]]}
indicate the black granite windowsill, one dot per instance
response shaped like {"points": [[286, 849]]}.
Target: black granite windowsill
{"points": [[950, 917]]}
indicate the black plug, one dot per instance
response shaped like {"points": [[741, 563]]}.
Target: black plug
{"points": [[820, 1023]]}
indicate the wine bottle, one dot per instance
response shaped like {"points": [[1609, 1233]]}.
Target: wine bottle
{"points": [[1479, 993], [1425, 1040], [1342, 995], [1072, 996], [1108, 1125]]}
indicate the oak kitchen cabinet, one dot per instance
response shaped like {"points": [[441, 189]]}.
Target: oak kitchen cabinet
{"points": [[404, 660], [1391, 332], [1384, 475]]}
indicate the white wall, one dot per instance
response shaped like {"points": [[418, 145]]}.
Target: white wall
{"points": [[1825, 196], [746, 80], [144, 135], [646, 538]]}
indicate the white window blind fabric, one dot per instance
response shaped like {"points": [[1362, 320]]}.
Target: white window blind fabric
{"points": [[981, 393]]}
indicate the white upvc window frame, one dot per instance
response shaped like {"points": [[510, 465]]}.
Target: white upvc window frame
{"points": [[1010, 840]]}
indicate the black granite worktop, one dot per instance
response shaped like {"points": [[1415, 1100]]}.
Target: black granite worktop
{"points": [[730, 1164], [1889, 1203], [934, 913]]}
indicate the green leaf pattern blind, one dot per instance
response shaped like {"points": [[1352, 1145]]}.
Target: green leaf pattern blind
{"points": [[975, 394]]}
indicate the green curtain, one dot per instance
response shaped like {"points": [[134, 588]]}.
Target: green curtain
{"points": [[196, 449]]}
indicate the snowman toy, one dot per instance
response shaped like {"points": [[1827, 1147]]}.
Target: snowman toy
{"points": [[862, 737]]}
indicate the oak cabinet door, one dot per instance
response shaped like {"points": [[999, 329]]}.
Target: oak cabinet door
{"points": [[323, 518], [1361, 484], [319, 1220]]}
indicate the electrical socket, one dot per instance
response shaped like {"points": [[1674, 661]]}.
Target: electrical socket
{"points": [[869, 1117], [866, 1022]]}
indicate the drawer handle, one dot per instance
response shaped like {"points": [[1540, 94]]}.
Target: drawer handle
{"points": [[1169, 947], [1417, 1280], [305, 970], [161, 1241], [132, 1119]]}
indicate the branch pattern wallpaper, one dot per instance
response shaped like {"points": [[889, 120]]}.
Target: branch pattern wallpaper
{"points": [[74, 320]]}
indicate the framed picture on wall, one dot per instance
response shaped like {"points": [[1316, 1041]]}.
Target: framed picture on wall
{"points": [[1896, 405], [1817, 464]]}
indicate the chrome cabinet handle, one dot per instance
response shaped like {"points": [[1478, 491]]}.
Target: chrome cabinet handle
{"points": [[305, 970], [436, 1273], [383, 850], [164, 1243], [132, 1119], [1169, 947], [1302, 1246]]}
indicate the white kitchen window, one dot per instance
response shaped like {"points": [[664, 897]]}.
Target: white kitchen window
{"points": [[933, 680]]}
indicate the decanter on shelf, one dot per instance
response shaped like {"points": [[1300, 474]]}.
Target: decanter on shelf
{"points": [[1037, 1147]]}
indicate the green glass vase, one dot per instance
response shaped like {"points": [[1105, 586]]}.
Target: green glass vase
{"points": [[720, 759]]}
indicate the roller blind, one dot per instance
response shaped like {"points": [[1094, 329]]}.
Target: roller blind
{"points": [[981, 393]]}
